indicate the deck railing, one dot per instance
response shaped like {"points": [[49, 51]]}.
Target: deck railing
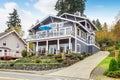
{"points": [[52, 33]]}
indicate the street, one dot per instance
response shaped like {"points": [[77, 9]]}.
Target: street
{"points": [[27, 76]]}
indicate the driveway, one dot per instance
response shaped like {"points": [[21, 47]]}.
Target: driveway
{"points": [[82, 69]]}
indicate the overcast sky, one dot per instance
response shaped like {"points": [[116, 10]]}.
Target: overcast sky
{"points": [[31, 10]]}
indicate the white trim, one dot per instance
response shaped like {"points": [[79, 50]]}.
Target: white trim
{"points": [[85, 42], [73, 15], [37, 46], [58, 44], [46, 45], [80, 17], [66, 20], [15, 33], [69, 43]]}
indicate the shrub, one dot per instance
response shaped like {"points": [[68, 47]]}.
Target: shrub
{"points": [[106, 72], [7, 57], [57, 56], [12, 64], [114, 74], [117, 46], [85, 54], [68, 62], [59, 59], [72, 56], [80, 57], [119, 60], [38, 61], [50, 55], [113, 66], [24, 53]]}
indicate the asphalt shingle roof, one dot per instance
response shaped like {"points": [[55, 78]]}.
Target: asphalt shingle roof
{"points": [[3, 33]]}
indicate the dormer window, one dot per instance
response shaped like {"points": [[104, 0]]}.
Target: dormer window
{"points": [[4, 43]]}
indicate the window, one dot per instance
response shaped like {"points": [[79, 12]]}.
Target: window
{"points": [[53, 25], [17, 45], [84, 35], [5, 50], [62, 31], [68, 31], [17, 51], [4, 43], [78, 48], [78, 32]]}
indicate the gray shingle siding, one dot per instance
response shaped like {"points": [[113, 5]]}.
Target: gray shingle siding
{"points": [[83, 46], [93, 49]]}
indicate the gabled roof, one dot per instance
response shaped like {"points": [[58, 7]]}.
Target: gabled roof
{"points": [[59, 17], [4, 34], [79, 17]]}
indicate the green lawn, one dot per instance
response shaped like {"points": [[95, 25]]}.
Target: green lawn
{"points": [[105, 62]]}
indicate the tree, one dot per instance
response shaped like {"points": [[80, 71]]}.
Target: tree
{"points": [[97, 24], [103, 38], [116, 30], [119, 59], [105, 26], [70, 6], [14, 23], [113, 66]]}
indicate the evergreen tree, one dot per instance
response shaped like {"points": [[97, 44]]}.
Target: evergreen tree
{"points": [[14, 19], [113, 66], [70, 6], [105, 27], [14, 23], [97, 24]]}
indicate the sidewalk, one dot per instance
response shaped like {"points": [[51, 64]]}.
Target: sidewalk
{"points": [[83, 68]]}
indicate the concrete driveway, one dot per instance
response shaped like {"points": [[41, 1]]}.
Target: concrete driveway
{"points": [[83, 68]]}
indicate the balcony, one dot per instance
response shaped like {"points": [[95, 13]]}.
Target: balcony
{"points": [[53, 33]]}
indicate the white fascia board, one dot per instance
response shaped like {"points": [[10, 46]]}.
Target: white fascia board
{"points": [[15, 33]]}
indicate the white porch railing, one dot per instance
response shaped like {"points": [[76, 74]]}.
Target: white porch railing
{"points": [[12, 54], [52, 33]]}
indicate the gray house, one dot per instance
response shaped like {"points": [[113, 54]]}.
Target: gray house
{"points": [[11, 44], [66, 33]]}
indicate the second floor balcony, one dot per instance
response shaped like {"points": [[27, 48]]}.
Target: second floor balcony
{"points": [[57, 32]]}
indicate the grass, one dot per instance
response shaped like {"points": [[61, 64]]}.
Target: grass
{"points": [[105, 62]]}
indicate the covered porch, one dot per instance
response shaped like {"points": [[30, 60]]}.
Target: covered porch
{"points": [[55, 46]]}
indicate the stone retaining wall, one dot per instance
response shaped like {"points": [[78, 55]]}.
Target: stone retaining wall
{"points": [[35, 67]]}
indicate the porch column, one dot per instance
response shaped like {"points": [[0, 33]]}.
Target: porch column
{"points": [[28, 52], [58, 47], [70, 50], [75, 37], [69, 43], [37, 46], [37, 53], [27, 46], [46, 53], [58, 44]]}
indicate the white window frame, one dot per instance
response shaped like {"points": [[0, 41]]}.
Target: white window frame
{"points": [[79, 34], [63, 31], [67, 31]]}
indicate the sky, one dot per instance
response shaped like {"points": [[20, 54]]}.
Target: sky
{"points": [[32, 10]]}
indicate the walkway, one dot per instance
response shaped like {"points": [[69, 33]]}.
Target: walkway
{"points": [[83, 68]]}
